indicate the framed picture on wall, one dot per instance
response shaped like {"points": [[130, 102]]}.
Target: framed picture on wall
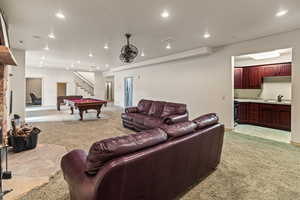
{"points": [[4, 40]]}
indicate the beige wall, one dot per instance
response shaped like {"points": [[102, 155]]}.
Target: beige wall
{"points": [[50, 78], [99, 88], [205, 83], [270, 90], [17, 83]]}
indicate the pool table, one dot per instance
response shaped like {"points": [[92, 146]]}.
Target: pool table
{"points": [[85, 104]]}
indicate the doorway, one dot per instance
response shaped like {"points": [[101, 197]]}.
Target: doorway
{"points": [[61, 89], [109, 91], [33, 91], [128, 91], [263, 94]]}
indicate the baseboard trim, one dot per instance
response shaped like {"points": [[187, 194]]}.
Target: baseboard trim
{"points": [[295, 144]]}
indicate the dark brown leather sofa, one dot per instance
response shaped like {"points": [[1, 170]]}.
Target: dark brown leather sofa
{"points": [[158, 164], [152, 114]]}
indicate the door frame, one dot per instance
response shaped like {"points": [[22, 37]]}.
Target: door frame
{"points": [[111, 90], [57, 88]]}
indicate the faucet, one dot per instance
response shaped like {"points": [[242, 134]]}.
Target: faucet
{"points": [[279, 98]]}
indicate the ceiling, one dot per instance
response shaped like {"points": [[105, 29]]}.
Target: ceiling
{"points": [[89, 25]]}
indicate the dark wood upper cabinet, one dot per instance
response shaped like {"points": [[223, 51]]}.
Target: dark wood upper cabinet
{"points": [[284, 69], [238, 78], [252, 77]]}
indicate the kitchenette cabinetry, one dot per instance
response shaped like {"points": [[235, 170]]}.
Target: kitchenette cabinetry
{"points": [[275, 116], [252, 77]]}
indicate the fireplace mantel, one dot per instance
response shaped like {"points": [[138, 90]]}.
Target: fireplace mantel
{"points": [[6, 56]]}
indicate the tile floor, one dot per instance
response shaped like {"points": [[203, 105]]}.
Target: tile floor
{"points": [[262, 132]]}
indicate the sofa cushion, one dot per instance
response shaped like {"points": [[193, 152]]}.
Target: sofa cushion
{"points": [[144, 105], [152, 122], [179, 129], [206, 120], [156, 108], [173, 109], [108, 149], [133, 116], [139, 118]]}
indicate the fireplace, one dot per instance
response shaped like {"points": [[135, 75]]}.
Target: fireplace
{"points": [[6, 60]]}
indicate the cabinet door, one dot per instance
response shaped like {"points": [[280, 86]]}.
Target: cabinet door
{"points": [[267, 117], [283, 117], [238, 78], [253, 113], [285, 69], [242, 113], [270, 70], [252, 77]]}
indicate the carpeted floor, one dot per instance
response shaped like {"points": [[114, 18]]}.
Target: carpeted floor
{"points": [[251, 168]]}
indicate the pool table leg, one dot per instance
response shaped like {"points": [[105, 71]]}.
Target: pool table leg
{"points": [[81, 114], [98, 112], [72, 110]]}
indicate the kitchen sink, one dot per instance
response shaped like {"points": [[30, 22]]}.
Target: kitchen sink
{"points": [[270, 101]]}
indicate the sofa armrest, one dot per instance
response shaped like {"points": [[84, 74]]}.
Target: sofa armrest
{"points": [[132, 110], [73, 165], [173, 119]]}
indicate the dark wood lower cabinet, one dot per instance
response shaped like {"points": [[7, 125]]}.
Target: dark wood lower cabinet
{"points": [[268, 115]]}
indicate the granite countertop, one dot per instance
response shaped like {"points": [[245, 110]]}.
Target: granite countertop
{"points": [[266, 101]]}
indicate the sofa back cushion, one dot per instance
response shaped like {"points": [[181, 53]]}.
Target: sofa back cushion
{"points": [[179, 129], [156, 108], [173, 109], [107, 149], [206, 120], [144, 105]]}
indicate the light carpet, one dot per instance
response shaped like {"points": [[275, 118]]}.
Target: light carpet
{"points": [[251, 168]]}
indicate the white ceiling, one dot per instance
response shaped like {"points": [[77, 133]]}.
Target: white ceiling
{"points": [[90, 24]]}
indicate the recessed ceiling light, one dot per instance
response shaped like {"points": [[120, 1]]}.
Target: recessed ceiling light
{"points": [[60, 15], [90, 55], [206, 35], [106, 46], [165, 14], [46, 48], [51, 35], [168, 46], [78, 61], [281, 13]]}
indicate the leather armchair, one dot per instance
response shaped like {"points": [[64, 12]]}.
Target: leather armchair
{"points": [[35, 100]]}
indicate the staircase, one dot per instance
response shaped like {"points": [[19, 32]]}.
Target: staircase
{"points": [[83, 85]]}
